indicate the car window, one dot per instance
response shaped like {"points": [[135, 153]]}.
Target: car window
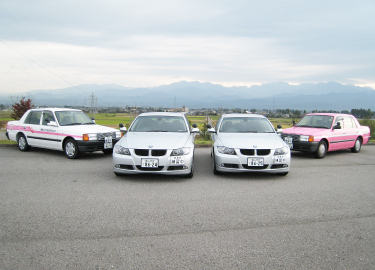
{"points": [[159, 124], [316, 121], [246, 124], [72, 118], [47, 117], [33, 118], [348, 122]]}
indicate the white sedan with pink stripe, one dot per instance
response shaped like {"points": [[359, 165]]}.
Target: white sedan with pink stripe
{"points": [[68, 130]]}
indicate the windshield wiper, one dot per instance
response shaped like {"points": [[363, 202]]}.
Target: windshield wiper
{"points": [[322, 127], [73, 124], [157, 131], [303, 126]]}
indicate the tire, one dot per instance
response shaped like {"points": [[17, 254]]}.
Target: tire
{"points": [[357, 146], [216, 172], [191, 174], [108, 151], [321, 151], [71, 149], [22, 143]]}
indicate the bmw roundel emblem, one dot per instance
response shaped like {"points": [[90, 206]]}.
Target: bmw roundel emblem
{"points": [[255, 146], [150, 146]]}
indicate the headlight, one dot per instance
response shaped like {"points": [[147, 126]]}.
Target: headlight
{"points": [[121, 150], [180, 151], [89, 137], [306, 138], [282, 151], [226, 150]]}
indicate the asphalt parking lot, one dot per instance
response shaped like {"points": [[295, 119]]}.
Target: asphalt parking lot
{"points": [[58, 213]]}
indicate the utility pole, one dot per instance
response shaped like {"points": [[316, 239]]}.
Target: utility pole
{"points": [[94, 102]]}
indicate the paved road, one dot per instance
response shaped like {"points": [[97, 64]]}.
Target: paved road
{"points": [[57, 213]]}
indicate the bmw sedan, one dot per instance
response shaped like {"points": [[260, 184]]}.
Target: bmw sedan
{"points": [[158, 143], [248, 143]]}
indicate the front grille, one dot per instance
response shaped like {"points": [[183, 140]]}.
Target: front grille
{"points": [[255, 167], [247, 152], [150, 169], [154, 153], [251, 152], [141, 152], [263, 152], [295, 137], [158, 153], [101, 136], [279, 166]]}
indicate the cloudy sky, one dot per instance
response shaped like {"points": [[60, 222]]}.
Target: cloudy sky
{"points": [[50, 44]]}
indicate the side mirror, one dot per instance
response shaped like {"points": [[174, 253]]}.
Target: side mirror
{"points": [[121, 125], [52, 124], [211, 130], [294, 123], [279, 129], [208, 126], [337, 126], [195, 125], [123, 129], [194, 129]]}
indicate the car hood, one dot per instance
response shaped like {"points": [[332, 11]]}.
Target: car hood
{"points": [[306, 131], [158, 140], [82, 129], [251, 140]]}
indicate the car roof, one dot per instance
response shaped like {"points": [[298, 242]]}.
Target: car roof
{"points": [[249, 115], [329, 114], [54, 109], [162, 114]]}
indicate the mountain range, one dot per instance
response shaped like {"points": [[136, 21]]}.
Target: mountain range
{"points": [[320, 96]]}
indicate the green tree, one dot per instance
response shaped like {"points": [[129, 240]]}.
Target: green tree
{"points": [[19, 109]]}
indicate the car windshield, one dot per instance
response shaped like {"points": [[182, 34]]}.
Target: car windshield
{"points": [[71, 118], [246, 125], [158, 123], [316, 121]]}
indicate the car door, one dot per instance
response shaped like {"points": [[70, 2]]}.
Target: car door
{"points": [[337, 139], [48, 130], [31, 126], [350, 132]]}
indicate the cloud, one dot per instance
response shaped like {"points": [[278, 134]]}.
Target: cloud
{"points": [[48, 44]]}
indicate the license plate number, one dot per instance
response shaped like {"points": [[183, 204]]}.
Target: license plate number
{"points": [[178, 160], [279, 159], [150, 163], [289, 141], [108, 142], [255, 162]]}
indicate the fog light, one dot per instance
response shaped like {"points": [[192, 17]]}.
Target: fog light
{"points": [[221, 165], [117, 166], [285, 166], [185, 167]]}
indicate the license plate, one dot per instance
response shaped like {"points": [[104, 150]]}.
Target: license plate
{"points": [[108, 142], [255, 162], [177, 160], [289, 141], [279, 159], [150, 163]]}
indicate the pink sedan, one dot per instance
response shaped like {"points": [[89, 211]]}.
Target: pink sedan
{"points": [[320, 133]]}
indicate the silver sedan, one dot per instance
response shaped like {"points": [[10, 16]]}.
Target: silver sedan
{"points": [[159, 143], [248, 143]]}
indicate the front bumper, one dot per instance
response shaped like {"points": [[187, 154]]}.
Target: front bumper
{"points": [[305, 146], [131, 164], [239, 163], [91, 146]]}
